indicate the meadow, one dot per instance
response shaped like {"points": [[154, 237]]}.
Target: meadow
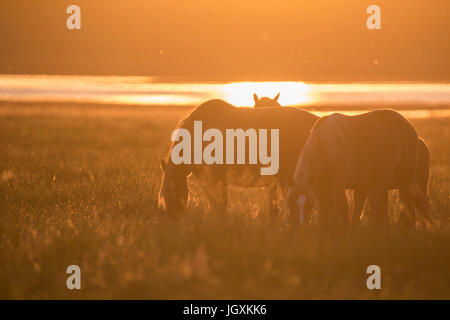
{"points": [[79, 184]]}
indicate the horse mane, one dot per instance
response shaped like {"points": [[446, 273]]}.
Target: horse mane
{"points": [[208, 109], [183, 123], [330, 130], [329, 133]]}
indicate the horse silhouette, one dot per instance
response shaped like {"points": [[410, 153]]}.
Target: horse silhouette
{"points": [[369, 153], [360, 196], [294, 125]]}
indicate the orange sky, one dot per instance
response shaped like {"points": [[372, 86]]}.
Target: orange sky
{"points": [[321, 40]]}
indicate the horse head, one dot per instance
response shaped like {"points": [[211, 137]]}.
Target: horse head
{"points": [[319, 167], [300, 200], [173, 192], [265, 101], [310, 173]]}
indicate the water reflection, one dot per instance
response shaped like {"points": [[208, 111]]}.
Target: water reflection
{"points": [[150, 91]]}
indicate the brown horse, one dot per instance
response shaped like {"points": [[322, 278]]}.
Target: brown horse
{"points": [[360, 196], [369, 153], [294, 125]]}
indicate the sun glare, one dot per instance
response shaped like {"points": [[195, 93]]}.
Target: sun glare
{"points": [[291, 93]]}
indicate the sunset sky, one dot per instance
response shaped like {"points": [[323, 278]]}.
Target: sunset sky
{"points": [[231, 40]]}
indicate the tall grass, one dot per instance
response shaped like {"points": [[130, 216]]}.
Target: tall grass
{"points": [[78, 185]]}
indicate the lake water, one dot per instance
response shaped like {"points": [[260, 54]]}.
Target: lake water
{"points": [[150, 91]]}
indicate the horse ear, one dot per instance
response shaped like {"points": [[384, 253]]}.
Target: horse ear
{"points": [[276, 97], [255, 97], [162, 164]]}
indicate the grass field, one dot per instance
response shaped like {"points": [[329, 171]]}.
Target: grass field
{"points": [[78, 185]]}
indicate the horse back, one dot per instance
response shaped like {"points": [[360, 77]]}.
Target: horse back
{"points": [[294, 125], [383, 144]]}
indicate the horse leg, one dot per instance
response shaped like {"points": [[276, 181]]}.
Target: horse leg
{"points": [[423, 175], [273, 197], [378, 200], [325, 207], [219, 197], [340, 207], [359, 199], [215, 191], [284, 190], [419, 200], [407, 220]]}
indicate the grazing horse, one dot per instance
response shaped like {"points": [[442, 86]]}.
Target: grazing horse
{"points": [[369, 153], [262, 103], [265, 101], [294, 125], [360, 196]]}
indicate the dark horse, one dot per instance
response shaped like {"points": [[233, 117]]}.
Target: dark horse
{"points": [[294, 125]]}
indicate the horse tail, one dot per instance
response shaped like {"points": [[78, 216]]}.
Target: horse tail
{"points": [[419, 191], [423, 165], [417, 163]]}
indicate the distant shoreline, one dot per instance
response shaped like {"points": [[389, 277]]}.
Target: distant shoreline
{"points": [[313, 107]]}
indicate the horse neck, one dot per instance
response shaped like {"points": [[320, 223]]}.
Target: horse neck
{"points": [[179, 171]]}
